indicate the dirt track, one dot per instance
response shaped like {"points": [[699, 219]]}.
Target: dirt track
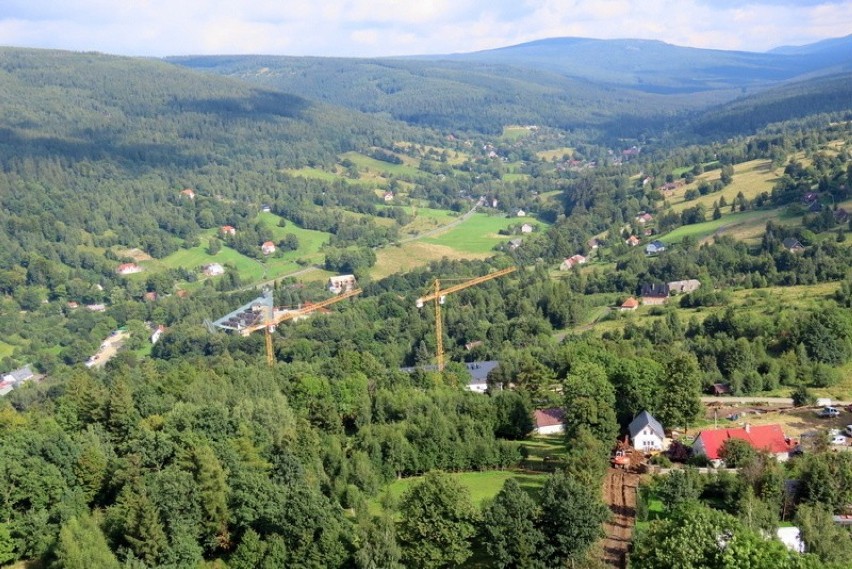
{"points": [[620, 496]]}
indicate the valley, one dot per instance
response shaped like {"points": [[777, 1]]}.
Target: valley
{"points": [[654, 246]]}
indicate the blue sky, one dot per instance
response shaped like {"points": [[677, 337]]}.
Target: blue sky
{"points": [[403, 27]]}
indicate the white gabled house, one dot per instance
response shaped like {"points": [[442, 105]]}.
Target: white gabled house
{"points": [[549, 421], [646, 433]]}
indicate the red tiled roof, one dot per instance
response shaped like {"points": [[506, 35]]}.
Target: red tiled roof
{"points": [[548, 417], [630, 303], [764, 437]]}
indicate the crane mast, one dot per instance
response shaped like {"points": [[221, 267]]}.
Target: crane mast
{"points": [[273, 320], [440, 295]]}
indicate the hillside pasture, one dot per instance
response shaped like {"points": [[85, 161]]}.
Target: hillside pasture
{"points": [[409, 167], [409, 256], [556, 153], [751, 178], [315, 174], [512, 133], [745, 222], [479, 234], [250, 270]]}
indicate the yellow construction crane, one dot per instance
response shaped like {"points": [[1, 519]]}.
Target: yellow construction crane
{"points": [[271, 319], [440, 294]]}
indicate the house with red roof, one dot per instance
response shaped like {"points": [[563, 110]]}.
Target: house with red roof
{"points": [[549, 421], [188, 193], [228, 230], [629, 304], [128, 269], [767, 438], [268, 248]]}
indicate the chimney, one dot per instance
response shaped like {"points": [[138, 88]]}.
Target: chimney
{"points": [[747, 427]]}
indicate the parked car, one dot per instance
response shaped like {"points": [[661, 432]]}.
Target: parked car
{"points": [[839, 440], [848, 431], [829, 412]]}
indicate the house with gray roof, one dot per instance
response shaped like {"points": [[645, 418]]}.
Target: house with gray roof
{"points": [[646, 433]]}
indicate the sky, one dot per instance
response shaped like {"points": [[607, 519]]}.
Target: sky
{"points": [[371, 28]]}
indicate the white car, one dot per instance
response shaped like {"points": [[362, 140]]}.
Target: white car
{"points": [[839, 440]]}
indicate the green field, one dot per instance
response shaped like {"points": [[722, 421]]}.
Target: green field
{"points": [[751, 178], [314, 173], [726, 224], [479, 233], [482, 485], [515, 132], [250, 270], [6, 349], [367, 164]]}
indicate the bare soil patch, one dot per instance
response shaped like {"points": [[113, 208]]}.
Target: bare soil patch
{"points": [[620, 496]]}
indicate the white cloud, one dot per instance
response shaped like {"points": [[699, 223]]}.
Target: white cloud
{"points": [[394, 27]]}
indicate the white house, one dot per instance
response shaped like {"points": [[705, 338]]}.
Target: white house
{"points": [[268, 248], [655, 247], [646, 433], [520, 213], [526, 228], [682, 287], [342, 283], [549, 421], [214, 269], [155, 337]]}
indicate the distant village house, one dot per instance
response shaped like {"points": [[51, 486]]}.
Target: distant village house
{"points": [[684, 287], [128, 269], [655, 293], [549, 421], [228, 230], [655, 247], [188, 193], [214, 269], [572, 262], [526, 228], [342, 283], [629, 304], [633, 241], [268, 248]]}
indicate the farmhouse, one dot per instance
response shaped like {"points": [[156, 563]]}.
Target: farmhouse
{"points": [[793, 245], [188, 193], [644, 218], [646, 433], [214, 269], [228, 230], [520, 213], [571, 262], [629, 304], [155, 337], [683, 287], [128, 269], [526, 228], [633, 241], [767, 438], [549, 421], [268, 248], [655, 247], [655, 293], [515, 243], [342, 283]]}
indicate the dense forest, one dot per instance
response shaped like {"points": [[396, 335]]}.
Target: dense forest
{"points": [[192, 452]]}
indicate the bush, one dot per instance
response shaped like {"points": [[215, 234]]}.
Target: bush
{"points": [[661, 460]]}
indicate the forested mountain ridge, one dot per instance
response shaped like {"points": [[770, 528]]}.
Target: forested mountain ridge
{"points": [[604, 89]]}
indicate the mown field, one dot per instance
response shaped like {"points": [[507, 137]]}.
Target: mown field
{"points": [[479, 234], [751, 178], [250, 270], [742, 225]]}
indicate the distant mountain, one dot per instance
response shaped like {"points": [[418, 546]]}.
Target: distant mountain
{"points": [[839, 46], [607, 88], [658, 67]]}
